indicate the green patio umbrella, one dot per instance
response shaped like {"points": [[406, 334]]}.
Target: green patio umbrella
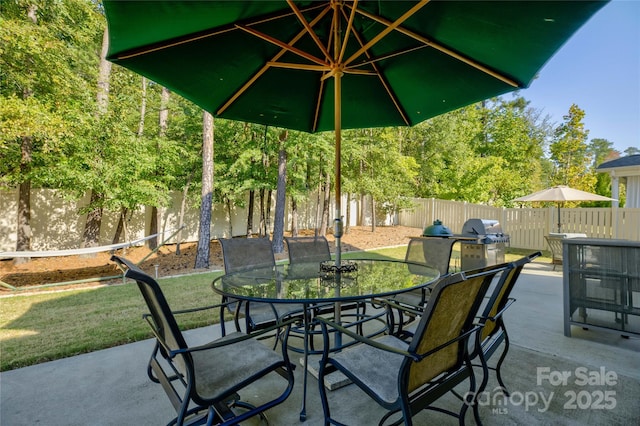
{"points": [[332, 65]]}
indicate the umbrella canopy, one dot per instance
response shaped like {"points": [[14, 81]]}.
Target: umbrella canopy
{"points": [[563, 193], [328, 65], [560, 194]]}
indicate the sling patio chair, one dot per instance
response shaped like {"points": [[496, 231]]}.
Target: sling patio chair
{"points": [[243, 254], [494, 332], [433, 252], [406, 378], [203, 382], [304, 251], [488, 340]]}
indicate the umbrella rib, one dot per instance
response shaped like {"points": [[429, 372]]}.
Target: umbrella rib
{"points": [[444, 50], [387, 30], [195, 37], [373, 60], [383, 81], [283, 45], [310, 31], [318, 105], [257, 75], [294, 66], [352, 16]]}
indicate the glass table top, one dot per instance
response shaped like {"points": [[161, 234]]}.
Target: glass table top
{"points": [[313, 282]]}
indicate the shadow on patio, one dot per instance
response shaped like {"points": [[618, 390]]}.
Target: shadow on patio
{"points": [[602, 384]]}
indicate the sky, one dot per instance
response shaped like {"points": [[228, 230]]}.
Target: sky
{"points": [[598, 69]]}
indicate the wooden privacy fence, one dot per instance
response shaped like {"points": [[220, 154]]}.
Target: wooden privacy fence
{"points": [[56, 224]]}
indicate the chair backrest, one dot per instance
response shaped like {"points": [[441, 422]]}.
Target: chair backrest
{"points": [[555, 244], [241, 254], [307, 249], [164, 323], [449, 314], [434, 252], [501, 292]]}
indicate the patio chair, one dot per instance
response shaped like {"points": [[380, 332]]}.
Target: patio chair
{"points": [[243, 254], [555, 245], [306, 250], [434, 252], [494, 331], [405, 377], [203, 382]]}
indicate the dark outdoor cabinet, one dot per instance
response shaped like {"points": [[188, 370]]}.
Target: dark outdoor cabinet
{"points": [[602, 285]]}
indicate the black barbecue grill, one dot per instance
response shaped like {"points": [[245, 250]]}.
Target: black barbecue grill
{"points": [[483, 243]]}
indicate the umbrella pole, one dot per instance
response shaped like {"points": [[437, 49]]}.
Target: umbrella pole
{"points": [[559, 218], [337, 222]]}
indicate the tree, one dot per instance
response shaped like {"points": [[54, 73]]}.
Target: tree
{"points": [[43, 99], [632, 151], [281, 196], [204, 230], [601, 150], [569, 153], [377, 167], [91, 234]]}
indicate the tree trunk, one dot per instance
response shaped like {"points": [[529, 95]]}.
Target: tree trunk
{"points": [[228, 205], [318, 209], [262, 227], [104, 73], [373, 214], [164, 112], [91, 234], [23, 241], [281, 200], [120, 228], [324, 224], [153, 227], [250, 207], [294, 217], [347, 214], [156, 211], [267, 221], [183, 207], [143, 107], [204, 231]]}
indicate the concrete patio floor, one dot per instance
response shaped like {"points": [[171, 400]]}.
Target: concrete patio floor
{"points": [[110, 387]]}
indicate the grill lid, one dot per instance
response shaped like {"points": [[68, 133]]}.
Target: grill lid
{"points": [[487, 231], [473, 227]]}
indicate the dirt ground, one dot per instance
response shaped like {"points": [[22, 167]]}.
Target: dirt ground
{"points": [[48, 270]]}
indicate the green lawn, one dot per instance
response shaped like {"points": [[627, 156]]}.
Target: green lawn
{"points": [[50, 325]]}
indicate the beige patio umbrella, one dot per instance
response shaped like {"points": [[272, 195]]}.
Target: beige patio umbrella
{"points": [[560, 194]]}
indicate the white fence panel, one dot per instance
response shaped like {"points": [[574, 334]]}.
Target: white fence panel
{"points": [[628, 224], [57, 225]]}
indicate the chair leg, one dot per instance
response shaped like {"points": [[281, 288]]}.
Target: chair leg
{"points": [[470, 398], [223, 329], [500, 361]]}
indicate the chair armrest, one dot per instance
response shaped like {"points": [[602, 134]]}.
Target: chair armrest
{"points": [[324, 322], [191, 310], [201, 308], [463, 336], [231, 340], [404, 308], [499, 314]]}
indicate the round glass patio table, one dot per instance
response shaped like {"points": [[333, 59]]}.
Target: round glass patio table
{"points": [[316, 283]]}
